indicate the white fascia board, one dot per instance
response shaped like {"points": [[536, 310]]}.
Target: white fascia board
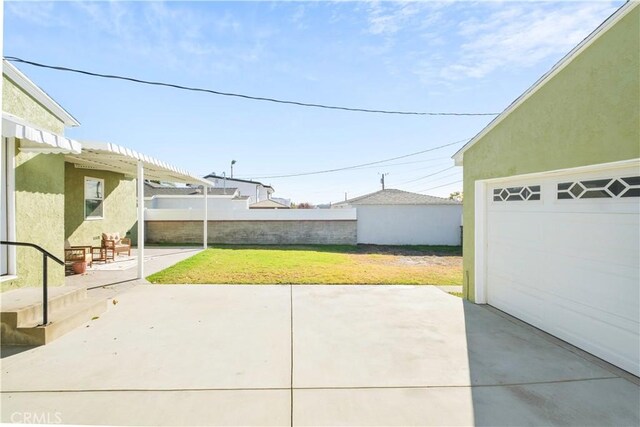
{"points": [[191, 196], [110, 153], [559, 66], [38, 94], [36, 140]]}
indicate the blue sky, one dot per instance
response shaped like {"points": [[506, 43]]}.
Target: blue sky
{"points": [[421, 56]]}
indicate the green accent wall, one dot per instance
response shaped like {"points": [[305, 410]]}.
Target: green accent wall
{"points": [[39, 197], [588, 113], [19, 103], [39, 194], [119, 206]]}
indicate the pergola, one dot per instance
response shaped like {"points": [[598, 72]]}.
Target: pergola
{"points": [[115, 158]]}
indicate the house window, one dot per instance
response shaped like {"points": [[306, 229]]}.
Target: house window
{"points": [[93, 198]]}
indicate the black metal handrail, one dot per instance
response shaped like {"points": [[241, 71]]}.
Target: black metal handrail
{"points": [[45, 256]]}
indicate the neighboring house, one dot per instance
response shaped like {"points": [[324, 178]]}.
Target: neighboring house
{"points": [[256, 191], [269, 204], [396, 217], [55, 192], [159, 196], [282, 201], [552, 198]]}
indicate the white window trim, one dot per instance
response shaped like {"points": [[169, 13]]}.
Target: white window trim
{"points": [[12, 268], [84, 199]]}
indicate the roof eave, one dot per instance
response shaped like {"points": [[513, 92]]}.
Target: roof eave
{"points": [[38, 94], [559, 66]]}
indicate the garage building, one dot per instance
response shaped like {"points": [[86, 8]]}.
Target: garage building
{"points": [[396, 217], [552, 199]]}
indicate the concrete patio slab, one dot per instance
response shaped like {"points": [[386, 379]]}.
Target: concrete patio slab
{"points": [[557, 404], [144, 408], [371, 336], [106, 282], [363, 355], [168, 337]]}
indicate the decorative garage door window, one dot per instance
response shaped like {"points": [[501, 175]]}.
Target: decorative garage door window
{"points": [[512, 194], [600, 188]]}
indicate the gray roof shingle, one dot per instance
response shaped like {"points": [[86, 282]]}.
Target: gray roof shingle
{"points": [[397, 197]]}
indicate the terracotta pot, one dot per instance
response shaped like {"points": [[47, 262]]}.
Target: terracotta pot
{"points": [[79, 267]]}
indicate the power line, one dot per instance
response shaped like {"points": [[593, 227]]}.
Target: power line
{"points": [[440, 186], [361, 165], [238, 95], [441, 178], [435, 159], [427, 176]]}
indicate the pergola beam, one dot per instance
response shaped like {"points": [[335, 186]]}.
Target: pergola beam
{"points": [[140, 184]]}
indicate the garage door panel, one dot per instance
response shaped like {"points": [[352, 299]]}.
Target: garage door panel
{"points": [[592, 236], [570, 267]]}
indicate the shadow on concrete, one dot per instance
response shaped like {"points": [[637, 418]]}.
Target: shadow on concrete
{"points": [[12, 350], [520, 375]]}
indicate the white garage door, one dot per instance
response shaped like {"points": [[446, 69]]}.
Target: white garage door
{"points": [[563, 254]]}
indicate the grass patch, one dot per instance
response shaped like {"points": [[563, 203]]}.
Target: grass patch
{"points": [[457, 294], [330, 264]]}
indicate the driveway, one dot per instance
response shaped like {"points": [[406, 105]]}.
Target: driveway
{"points": [[314, 355]]}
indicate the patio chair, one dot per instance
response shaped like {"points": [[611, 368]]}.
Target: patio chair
{"points": [[73, 254], [113, 244]]}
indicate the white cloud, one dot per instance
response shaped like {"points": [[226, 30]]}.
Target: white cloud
{"points": [[521, 35], [40, 14]]}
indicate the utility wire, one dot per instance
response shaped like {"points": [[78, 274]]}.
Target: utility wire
{"points": [[440, 186], [435, 159], [427, 176], [238, 95], [363, 164], [437, 179]]}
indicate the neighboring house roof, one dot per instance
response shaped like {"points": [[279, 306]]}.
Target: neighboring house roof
{"points": [[559, 66], [37, 93], [214, 176], [397, 197], [268, 204], [152, 189]]}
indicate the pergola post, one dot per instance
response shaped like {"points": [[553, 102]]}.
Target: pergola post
{"points": [[140, 182], [206, 215]]}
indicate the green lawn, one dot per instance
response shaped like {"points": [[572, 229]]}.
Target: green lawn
{"points": [[419, 265]]}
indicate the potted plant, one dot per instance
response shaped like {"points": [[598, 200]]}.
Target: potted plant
{"points": [[79, 267]]}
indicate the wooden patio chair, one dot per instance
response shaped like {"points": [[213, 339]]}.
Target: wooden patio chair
{"points": [[74, 254], [113, 244]]}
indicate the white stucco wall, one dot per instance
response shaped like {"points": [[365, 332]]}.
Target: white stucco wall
{"points": [[251, 215], [409, 224], [222, 203]]}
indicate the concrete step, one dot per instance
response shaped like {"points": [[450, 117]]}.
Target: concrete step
{"points": [[23, 307], [61, 321]]}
